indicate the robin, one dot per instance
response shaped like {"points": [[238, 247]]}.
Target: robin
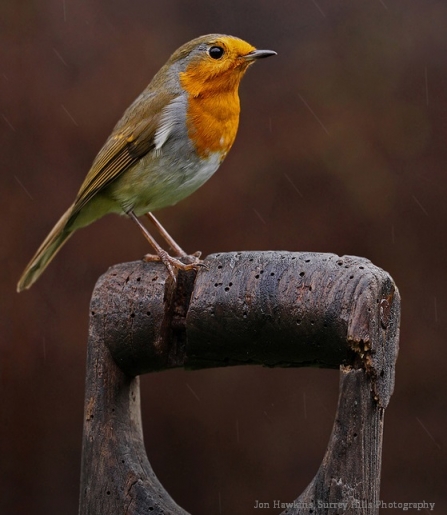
{"points": [[167, 144]]}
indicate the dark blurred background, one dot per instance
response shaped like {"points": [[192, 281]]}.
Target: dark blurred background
{"points": [[341, 148]]}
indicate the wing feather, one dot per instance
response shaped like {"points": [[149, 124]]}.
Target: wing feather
{"points": [[171, 119], [132, 138]]}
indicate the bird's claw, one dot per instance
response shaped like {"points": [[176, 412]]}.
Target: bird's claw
{"points": [[172, 263]]}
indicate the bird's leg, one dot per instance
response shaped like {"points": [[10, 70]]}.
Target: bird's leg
{"points": [[169, 239], [178, 251], [169, 261]]}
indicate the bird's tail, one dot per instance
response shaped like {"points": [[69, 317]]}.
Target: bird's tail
{"points": [[46, 252]]}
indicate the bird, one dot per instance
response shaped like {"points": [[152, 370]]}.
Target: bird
{"points": [[167, 144]]}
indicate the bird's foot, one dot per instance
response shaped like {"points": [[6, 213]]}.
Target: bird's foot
{"points": [[193, 262]]}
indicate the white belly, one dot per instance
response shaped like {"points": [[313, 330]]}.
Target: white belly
{"points": [[159, 181]]}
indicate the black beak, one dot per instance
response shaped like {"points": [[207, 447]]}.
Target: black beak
{"points": [[258, 54]]}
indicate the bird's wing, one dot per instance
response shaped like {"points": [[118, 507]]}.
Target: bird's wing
{"points": [[133, 137]]}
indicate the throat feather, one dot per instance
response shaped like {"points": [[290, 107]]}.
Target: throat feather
{"points": [[212, 121]]}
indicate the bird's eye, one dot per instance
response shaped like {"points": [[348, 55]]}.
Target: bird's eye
{"points": [[216, 52]]}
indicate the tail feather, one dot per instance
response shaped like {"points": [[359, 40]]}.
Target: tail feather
{"points": [[46, 252]]}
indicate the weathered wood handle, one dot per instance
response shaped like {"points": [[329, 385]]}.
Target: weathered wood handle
{"points": [[278, 309]]}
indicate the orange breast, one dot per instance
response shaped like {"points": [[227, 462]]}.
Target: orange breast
{"points": [[213, 106], [213, 122]]}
